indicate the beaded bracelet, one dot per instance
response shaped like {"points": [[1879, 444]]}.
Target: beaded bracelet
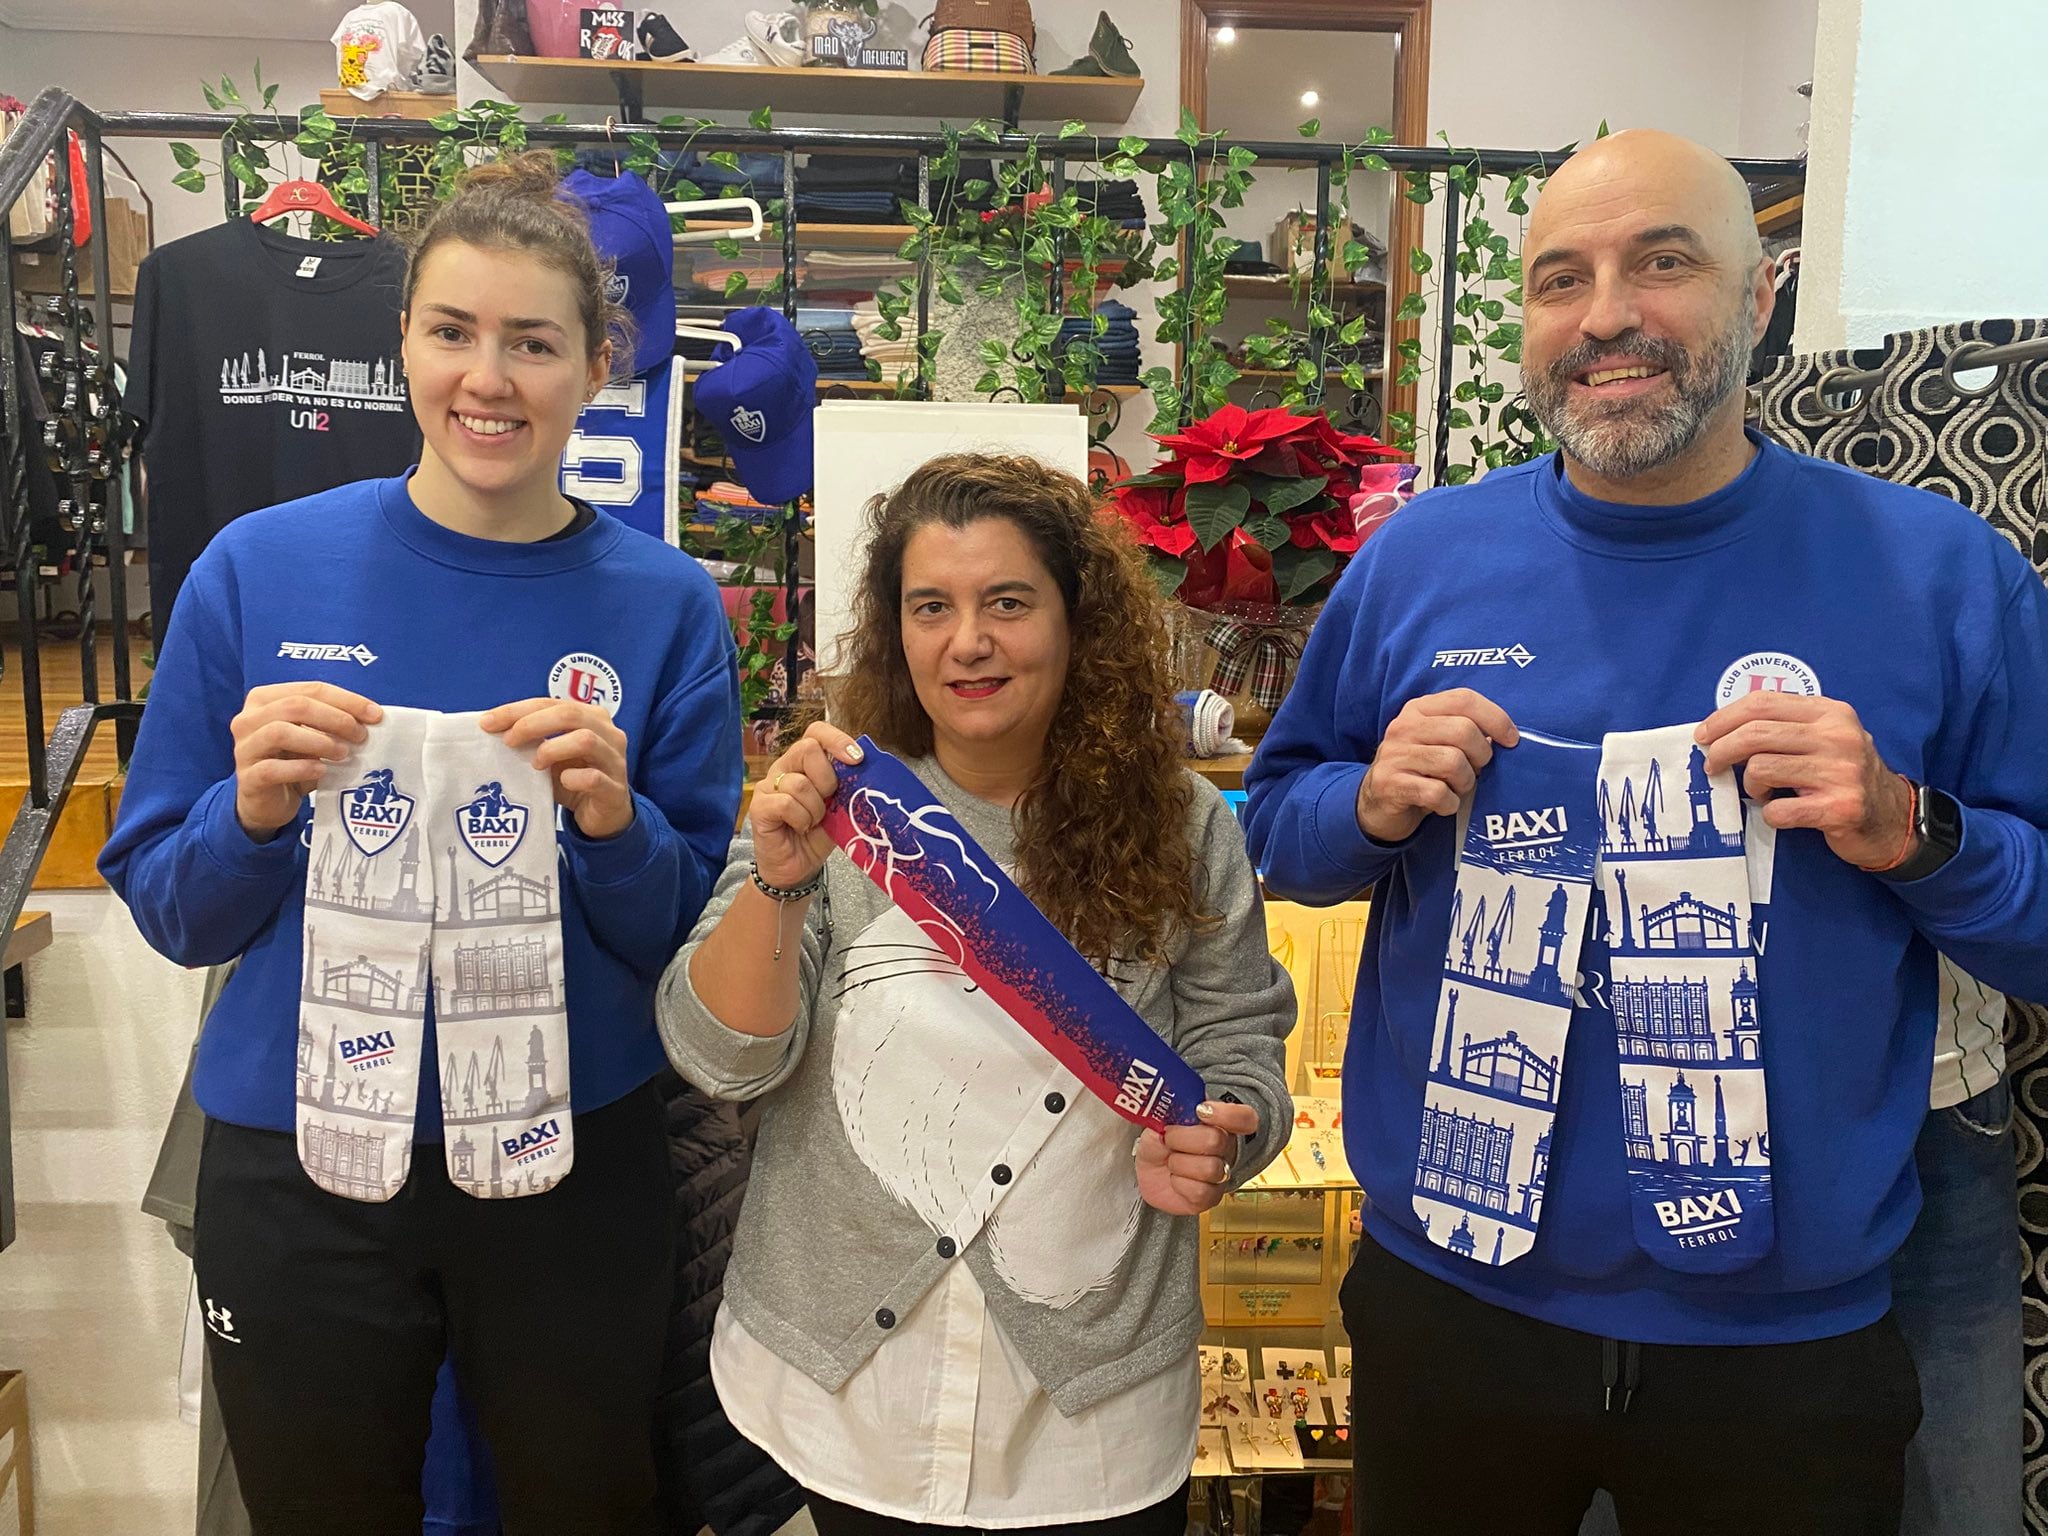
{"points": [[782, 898], [777, 893]]}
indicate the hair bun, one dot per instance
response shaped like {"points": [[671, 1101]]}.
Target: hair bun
{"points": [[532, 173]]}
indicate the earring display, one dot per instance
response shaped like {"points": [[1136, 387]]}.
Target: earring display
{"points": [[1314, 1155], [1222, 1406], [1264, 1442]]}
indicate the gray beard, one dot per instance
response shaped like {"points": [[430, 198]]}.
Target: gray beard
{"points": [[1622, 439]]}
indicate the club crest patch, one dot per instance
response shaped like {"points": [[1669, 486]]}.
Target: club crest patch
{"points": [[586, 679], [490, 825], [750, 424], [1766, 672], [374, 812]]}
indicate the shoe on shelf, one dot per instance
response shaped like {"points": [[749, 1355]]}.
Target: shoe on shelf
{"points": [[740, 51], [1109, 53], [437, 69], [660, 41], [778, 37]]}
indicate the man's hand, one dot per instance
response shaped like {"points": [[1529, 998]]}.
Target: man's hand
{"points": [[581, 750], [1186, 1171], [1430, 761], [1818, 750]]}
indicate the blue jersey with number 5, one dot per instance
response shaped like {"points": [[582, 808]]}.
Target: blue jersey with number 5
{"points": [[625, 450]]}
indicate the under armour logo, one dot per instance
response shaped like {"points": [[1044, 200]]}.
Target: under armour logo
{"points": [[222, 1322]]}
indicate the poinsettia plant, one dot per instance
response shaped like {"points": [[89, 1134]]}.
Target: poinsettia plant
{"points": [[1251, 506]]}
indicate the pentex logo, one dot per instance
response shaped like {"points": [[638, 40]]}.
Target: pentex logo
{"points": [[1485, 656], [531, 1146], [490, 825], [301, 650], [374, 812], [364, 1052], [1527, 829]]}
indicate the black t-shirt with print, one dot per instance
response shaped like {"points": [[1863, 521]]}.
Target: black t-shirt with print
{"points": [[264, 367]]}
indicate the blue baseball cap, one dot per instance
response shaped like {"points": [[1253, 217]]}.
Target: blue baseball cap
{"points": [[631, 230], [761, 399]]}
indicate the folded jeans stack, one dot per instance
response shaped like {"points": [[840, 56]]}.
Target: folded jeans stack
{"points": [[1116, 347], [854, 189], [832, 340], [1117, 201]]}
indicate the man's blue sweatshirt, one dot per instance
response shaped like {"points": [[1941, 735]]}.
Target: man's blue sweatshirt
{"points": [[358, 588], [1581, 617]]}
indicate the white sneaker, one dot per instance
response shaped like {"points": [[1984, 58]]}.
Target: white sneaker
{"points": [[738, 51], [777, 36]]}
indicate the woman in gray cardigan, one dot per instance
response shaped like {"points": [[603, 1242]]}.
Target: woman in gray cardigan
{"points": [[963, 1291]]}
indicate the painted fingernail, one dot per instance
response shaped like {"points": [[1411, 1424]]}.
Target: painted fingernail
{"points": [[1205, 1111], [854, 753]]}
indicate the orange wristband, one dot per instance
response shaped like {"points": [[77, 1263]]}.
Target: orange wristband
{"points": [[1912, 829]]}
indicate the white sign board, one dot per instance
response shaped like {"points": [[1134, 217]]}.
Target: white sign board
{"points": [[866, 447]]}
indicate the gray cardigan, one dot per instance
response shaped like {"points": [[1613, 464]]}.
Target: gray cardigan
{"points": [[828, 1255]]}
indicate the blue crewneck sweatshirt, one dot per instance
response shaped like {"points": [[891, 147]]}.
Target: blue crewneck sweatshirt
{"points": [[1581, 617], [358, 588]]}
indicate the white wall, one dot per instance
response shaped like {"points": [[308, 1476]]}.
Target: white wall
{"points": [[161, 71], [1777, 56], [92, 1294], [149, 72], [1943, 198]]}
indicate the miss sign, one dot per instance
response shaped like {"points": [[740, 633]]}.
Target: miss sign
{"points": [[605, 32]]}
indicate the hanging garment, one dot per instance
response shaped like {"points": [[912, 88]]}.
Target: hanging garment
{"points": [[264, 368], [625, 451], [465, 920]]}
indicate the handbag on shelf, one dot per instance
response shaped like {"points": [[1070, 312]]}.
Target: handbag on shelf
{"points": [[977, 50], [1011, 16]]}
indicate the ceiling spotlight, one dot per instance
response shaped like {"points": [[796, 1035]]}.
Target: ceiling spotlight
{"points": [[1309, 98], [1226, 34]]}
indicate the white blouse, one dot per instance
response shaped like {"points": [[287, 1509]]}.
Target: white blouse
{"points": [[944, 1425]]}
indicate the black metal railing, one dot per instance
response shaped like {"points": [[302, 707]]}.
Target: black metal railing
{"points": [[79, 442]]}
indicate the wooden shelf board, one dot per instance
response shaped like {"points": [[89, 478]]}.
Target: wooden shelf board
{"points": [[1223, 772], [1288, 373], [869, 237], [1244, 285], [1781, 216], [873, 92]]}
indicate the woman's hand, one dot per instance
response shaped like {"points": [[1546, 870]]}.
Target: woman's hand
{"points": [[581, 750], [285, 736], [789, 806], [1186, 1171]]}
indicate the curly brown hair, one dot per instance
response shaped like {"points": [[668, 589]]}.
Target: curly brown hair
{"points": [[1101, 846]]}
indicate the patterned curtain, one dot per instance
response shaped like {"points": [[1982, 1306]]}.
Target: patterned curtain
{"points": [[1988, 451]]}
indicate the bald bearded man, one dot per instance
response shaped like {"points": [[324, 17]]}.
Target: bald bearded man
{"points": [[1655, 1261]]}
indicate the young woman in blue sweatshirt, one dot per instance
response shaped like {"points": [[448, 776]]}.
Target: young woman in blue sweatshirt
{"points": [[470, 584], [1857, 649]]}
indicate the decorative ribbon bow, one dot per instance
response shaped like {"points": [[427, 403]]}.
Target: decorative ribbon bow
{"points": [[1268, 655]]}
